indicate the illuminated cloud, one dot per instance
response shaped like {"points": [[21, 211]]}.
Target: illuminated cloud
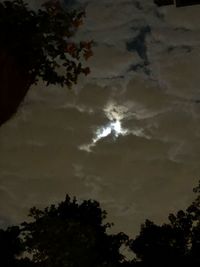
{"points": [[115, 114], [142, 128]]}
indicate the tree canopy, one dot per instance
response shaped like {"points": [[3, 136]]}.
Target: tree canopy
{"points": [[75, 234], [72, 234], [38, 45], [69, 234], [174, 243]]}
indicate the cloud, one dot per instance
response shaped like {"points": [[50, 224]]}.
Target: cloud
{"points": [[148, 172], [138, 43], [186, 17]]}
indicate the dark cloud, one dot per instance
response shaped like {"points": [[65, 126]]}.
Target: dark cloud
{"points": [[186, 48], [139, 43], [138, 5]]}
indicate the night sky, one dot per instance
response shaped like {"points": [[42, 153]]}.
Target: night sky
{"points": [[128, 135]]}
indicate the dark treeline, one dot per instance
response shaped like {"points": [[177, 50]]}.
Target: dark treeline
{"points": [[73, 234]]}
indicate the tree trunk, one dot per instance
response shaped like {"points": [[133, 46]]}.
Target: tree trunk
{"points": [[14, 84]]}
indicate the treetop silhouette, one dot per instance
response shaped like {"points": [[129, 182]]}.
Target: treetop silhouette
{"points": [[72, 234], [175, 243], [75, 234]]}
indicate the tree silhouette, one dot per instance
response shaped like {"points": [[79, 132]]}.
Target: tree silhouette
{"points": [[11, 247], [72, 234], [37, 45], [176, 243]]}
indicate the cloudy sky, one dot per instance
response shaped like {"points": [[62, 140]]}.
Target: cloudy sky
{"points": [[128, 135]]}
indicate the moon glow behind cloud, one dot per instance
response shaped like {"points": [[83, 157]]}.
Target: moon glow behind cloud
{"points": [[128, 135]]}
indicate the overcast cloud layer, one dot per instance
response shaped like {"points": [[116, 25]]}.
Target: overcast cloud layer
{"points": [[145, 76]]}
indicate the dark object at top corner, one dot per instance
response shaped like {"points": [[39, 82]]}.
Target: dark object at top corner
{"points": [[178, 3]]}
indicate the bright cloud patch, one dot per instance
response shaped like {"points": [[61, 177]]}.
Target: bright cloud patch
{"points": [[115, 114], [114, 128]]}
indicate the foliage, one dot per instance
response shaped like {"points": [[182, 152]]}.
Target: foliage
{"points": [[10, 246], [42, 41], [175, 243], [72, 234]]}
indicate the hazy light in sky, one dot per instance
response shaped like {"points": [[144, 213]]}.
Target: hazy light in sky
{"points": [[115, 114], [103, 132], [113, 127], [117, 127]]}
